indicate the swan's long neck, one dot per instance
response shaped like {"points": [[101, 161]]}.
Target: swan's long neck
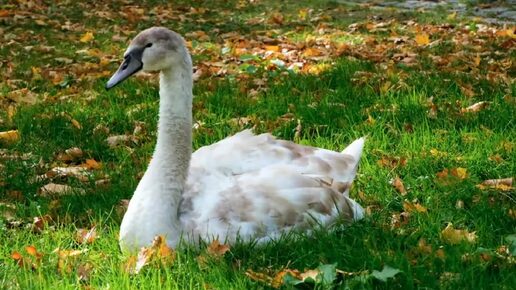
{"points": [[168, 169]]}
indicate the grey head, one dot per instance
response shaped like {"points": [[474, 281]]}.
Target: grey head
{"points": [[153, 49]]}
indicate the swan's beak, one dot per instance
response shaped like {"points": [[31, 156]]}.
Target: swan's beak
{"points": [[131, 65]]}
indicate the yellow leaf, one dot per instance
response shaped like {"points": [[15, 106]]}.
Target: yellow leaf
{"points": [[459, 172], [422, 39], [87, 37], [454, 236], [451, 16], [9, 136]]}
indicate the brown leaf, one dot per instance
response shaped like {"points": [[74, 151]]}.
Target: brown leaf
{"points": [[91, 164], [114, 141], [85, 236], [398, 185], [413, 207], [158, 251], [39, 223], [53, 189], [392, 162], [454, 236], [503, 184], [216, 249]]}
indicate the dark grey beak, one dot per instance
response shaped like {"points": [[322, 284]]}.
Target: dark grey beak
{"points": [[131, 65]]}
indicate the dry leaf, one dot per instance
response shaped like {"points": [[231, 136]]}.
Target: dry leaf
{"points": [[39, 223], [477, 107], [87, 37], [503, 184], [413, 207], [398, 185], [91, 164], [422, 39], [459, 172], [158, 251], [216, 249], [78, 172], [53, 189], [85, 236], [9, 136], [114, 141], [454, 236]]}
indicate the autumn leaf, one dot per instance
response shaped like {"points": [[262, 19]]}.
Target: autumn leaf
{"points": [[85, 236], [216, 249], [157, 252], [503, 184], [454, 236], [91, 164], [413, 207], [459, 172], [475, 108], [422, 39], [9, 136], [87, 37], [398, 185], [53, 189]]}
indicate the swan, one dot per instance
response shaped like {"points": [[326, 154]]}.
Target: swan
{"points": [[245, 187]]}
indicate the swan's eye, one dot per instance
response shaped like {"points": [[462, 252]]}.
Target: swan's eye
{"points": [[148, 44]]}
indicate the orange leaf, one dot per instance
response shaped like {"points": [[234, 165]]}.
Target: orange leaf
{"points": [[84, 236], [274, 48], [16, 256], [215, 249], [92, 164], [398, 185]]}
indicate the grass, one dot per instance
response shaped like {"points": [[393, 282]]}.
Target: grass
{"points": [[334, 108]]}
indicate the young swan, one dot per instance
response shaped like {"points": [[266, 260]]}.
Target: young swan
{"points": [[249, 187]]}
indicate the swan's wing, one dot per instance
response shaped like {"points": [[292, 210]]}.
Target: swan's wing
{"points": [[258, 187], [264, 203], [245, 152]]}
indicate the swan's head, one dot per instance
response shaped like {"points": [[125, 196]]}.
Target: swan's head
{"points": [[154, 49]]}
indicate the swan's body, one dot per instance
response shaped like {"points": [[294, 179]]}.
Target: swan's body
{"points": [[244, 187]]}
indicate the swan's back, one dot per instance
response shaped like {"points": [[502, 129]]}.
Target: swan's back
{"points": [[255, 186]]}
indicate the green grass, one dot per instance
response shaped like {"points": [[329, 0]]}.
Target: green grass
{"points": [[333, 108]]}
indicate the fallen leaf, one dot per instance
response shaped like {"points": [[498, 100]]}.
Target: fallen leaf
{"points": [[454, 236], [216, 249], [85, 236], [398, 185], [413, 207], [53, 189], [40, 223], [158, 251], [475, 108], [91, 164], [87, 37], [503, 184], [9, 136], [459, 172], [422, 39], [114, 141]]}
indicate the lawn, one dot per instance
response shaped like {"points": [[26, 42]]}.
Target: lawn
{"points": [[433, 91]]}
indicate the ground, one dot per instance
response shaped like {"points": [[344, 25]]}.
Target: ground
{"points": [[432, 88]]}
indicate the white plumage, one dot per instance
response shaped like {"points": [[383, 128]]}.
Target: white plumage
{"points": [[252, 187]]}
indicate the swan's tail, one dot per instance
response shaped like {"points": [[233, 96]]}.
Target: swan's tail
{"points": [[355, 150]]}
